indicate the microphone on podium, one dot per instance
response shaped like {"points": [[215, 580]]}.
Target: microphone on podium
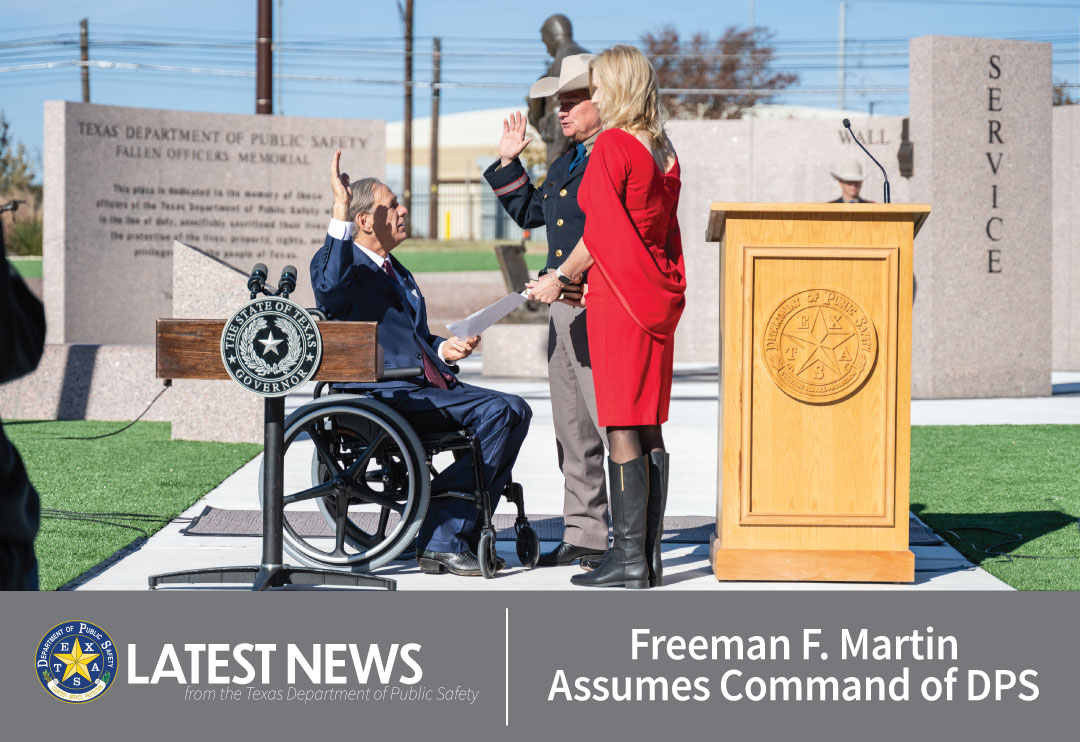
{"points": [[847, 125], [287, 282], [257, 279]]}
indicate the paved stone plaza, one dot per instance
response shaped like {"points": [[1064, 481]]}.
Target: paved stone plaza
{"points": [[691, 436]]}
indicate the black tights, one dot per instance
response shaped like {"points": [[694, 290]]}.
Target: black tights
{"points": [[626, 443]]}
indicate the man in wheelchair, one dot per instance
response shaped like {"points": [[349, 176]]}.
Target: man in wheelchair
{"points": [[355, 278]]}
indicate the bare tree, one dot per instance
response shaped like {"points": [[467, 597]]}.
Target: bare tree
{"points": [[739, 63], [1062, 96]]}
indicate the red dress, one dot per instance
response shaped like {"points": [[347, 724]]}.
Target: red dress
{"points": [[636, 288]]}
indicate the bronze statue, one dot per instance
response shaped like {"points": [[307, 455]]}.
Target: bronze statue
{"points": [[558, 36]]}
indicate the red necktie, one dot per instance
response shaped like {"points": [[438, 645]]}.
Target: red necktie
{"points": [[430, 372]]}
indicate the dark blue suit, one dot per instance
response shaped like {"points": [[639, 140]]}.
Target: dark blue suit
{"points": [[349, 286]]}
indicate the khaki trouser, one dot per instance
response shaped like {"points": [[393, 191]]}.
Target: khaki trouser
{"points": [[579, 440]]}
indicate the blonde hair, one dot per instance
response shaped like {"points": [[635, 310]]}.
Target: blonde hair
{"points": [[631, 93]]}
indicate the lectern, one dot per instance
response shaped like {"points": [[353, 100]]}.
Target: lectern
{"points": [[815, 415], [191, 349]]}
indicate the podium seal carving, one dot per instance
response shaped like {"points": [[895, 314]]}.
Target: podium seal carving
{"points": [[271, 346], [819, 346]]}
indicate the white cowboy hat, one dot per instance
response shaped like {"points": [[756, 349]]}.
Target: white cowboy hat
{"points": [[850, 171], [573, 75]]}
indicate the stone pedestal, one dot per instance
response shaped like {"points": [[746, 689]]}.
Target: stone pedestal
{"points": [[515, 350], [1066, 332], [207, 288], [981, 126]]}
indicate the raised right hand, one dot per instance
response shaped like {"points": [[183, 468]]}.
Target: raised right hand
{"points": [[339, 183], [513, 141]]}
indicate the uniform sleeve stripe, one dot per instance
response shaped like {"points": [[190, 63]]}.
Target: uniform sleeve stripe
{"points": [[509, 187]]}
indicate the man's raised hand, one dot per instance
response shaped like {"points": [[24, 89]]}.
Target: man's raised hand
{"points": [[339, 182], [513, 140]]}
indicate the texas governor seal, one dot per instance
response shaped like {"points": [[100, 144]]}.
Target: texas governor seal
{"points": [[271, 346], [819, 346]]}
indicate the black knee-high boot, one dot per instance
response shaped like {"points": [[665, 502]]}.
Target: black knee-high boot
{"points": [[654, 521], [625, 563]]}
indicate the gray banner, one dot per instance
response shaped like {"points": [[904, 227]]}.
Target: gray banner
{"points": [[462, 683]]}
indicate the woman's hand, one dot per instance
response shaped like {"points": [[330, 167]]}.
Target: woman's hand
{"points": [[513, 141], [546, 289], [454, 348], [339, 183]]}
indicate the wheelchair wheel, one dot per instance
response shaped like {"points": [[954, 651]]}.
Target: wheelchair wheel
{"points": [[486, 554], [369, 479], [528, 546]]}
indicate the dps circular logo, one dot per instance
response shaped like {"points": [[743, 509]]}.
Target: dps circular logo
{"points": [[76, 661], [819, 346], [271, 346]]}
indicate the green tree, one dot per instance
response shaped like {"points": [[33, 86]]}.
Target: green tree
{"points": [[740, 62], [16, 172]]}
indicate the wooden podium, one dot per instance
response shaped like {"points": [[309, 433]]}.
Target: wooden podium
{"points": [[814, 444]]}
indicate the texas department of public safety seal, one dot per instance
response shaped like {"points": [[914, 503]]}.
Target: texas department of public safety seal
{"points": [[819, 346], [271, 346], [76, 661]]}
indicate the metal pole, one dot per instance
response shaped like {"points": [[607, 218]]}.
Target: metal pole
{"points": [[84, 46], [406, 196], [264, 80], [277, 57], [273, 491], [433, 203], [842, 52]]}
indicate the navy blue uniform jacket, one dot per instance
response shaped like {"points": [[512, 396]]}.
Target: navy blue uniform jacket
{"points": [[349, 286], [554, 203]]}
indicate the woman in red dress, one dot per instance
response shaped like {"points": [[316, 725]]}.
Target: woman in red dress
{"points": [[633, 253]]}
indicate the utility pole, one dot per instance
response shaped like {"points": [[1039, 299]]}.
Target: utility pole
{"points": [[406, 186], [842, 61], [84, 46], [264, 70], [433, 204], [277, 57]]}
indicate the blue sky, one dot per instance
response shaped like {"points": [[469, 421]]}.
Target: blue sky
{"points": [[485, 42]]}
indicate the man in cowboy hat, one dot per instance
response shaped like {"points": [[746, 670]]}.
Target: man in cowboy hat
{"points": [[554, 204], [850, 177]]}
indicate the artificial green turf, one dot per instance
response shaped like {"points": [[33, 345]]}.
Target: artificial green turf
{"points": [[423, 261], [1017, 478], [138, 471], [31, 267]]}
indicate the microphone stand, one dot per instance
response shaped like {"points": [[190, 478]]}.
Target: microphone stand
{"points": [[847, 125]]}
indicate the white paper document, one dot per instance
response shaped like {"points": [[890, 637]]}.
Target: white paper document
{"points": [[479, 321]]}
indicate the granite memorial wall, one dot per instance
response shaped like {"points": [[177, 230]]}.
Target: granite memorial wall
{"points": [[121, 184], [981, 123]]}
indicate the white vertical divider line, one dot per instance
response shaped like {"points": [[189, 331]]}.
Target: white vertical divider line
{"points": [[506, 669]]}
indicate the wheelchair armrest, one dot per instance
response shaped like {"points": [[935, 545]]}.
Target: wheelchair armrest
{"points": [[408, 372]]}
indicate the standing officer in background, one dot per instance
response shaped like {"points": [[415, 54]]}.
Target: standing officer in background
{"points": [[573, 402]]}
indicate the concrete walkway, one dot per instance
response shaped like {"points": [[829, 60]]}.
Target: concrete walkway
{"points": [[691, 435]]}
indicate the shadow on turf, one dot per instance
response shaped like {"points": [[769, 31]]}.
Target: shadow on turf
{"points": [[982, 536]]}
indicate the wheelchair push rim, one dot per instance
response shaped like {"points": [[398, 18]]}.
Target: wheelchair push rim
{"points": [[358, 443]]}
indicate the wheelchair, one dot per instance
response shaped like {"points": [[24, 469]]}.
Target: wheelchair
{"points": [[370, 477]]}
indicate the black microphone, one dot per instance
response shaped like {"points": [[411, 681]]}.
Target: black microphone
{"points": [[287, 282], [847, 125], [256, 280]]}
